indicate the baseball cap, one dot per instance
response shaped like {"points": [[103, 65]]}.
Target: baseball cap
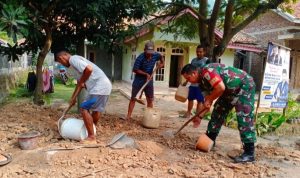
{"points": [[149, 47]]}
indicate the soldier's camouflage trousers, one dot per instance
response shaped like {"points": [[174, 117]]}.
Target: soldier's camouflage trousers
{"points": [[243, 102]]}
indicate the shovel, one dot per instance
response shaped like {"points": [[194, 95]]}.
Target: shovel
{"points": [[172, 135], [60, 120], [139, 100]]}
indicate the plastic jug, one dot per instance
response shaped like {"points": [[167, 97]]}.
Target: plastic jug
{"points": [[182, 93], [151, 118]]}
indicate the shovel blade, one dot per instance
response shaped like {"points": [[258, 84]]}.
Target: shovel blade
{"points": [[169, 134], [141, 101]]}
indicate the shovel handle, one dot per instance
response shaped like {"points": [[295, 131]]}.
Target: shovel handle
{"points": [[141, 90], [187, 122], [63, 115]]}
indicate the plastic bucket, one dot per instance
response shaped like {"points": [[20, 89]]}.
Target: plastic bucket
{"points": [[72, 128], [204, 143], [28, 141], [151, 118]]}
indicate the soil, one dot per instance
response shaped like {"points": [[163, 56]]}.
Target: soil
{"points": [[155, 156]]}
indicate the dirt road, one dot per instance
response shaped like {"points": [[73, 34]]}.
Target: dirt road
{"points": [[156, 156]]}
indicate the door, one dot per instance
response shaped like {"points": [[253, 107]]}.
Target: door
{"points": [[173, 79]]}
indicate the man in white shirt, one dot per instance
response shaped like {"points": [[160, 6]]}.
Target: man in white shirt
{"points": [[97, 84]]}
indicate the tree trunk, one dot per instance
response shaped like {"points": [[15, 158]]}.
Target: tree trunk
{"points": [[112, 67], [38, 93]]}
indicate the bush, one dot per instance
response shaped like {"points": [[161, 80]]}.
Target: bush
{"points": [[293, 109], [268, 122]]}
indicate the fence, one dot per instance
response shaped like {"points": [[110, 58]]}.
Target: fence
{"points": [[10, 73]]}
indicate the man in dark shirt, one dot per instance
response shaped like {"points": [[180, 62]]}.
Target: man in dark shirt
{"points": [[143, 68]]}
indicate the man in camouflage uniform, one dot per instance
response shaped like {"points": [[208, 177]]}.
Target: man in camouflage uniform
{"points": [[232, 88]]}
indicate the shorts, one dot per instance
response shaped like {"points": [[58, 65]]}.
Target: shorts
{"points": [[95, 102], [148, 90], [195, 94]]}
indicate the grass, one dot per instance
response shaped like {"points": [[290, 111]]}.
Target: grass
{"points": [[61, 91]]}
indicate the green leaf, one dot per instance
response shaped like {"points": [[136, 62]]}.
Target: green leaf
{"points": [[277, 123]]}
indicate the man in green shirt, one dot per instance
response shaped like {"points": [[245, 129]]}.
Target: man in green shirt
{"points": [[231, 87]]}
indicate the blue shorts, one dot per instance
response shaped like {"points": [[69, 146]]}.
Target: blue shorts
{"points": [[137, 85], [195, 94], [95, 103]]}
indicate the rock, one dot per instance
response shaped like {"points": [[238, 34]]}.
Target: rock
{"points": [[54, 140], [90, 161], [269, 174], [233, 166], [220, 162], [171, 171], [125, 166], [261, 175]]}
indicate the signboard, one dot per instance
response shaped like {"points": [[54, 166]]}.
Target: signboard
{"points": [[275, 87]]}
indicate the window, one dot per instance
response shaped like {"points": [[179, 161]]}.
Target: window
{"points": [[160, 73], [177, 51]]}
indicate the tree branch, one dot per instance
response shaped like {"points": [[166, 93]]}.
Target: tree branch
{"points": [[228, 18], [30, 4], [215, 12], [51, 6], [203, 32], [213, 21]]}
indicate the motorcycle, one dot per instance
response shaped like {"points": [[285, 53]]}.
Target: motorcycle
{"points": [[63, 75]]}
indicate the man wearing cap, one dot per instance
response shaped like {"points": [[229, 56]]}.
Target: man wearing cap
{"points": [[143, 68]]}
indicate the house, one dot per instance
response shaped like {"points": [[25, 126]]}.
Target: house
{"points": [[111, 66], [177, 53], [282, 28]]}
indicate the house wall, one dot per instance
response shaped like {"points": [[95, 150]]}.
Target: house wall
{"points": [[295, 63], [126, 63], [131, 50], [167, 42], [267, 28], [228, 57], [128, 55], [104, 61], [253, 64], [158, 35]]}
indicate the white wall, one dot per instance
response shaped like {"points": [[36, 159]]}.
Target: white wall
{"points": [[126, 64], [228, 57], [170, 37]]}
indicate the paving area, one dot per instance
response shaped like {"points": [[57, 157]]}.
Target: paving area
{"points": [[154, 156]]}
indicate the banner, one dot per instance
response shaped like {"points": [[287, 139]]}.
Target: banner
{"points": [[275, 86]]}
